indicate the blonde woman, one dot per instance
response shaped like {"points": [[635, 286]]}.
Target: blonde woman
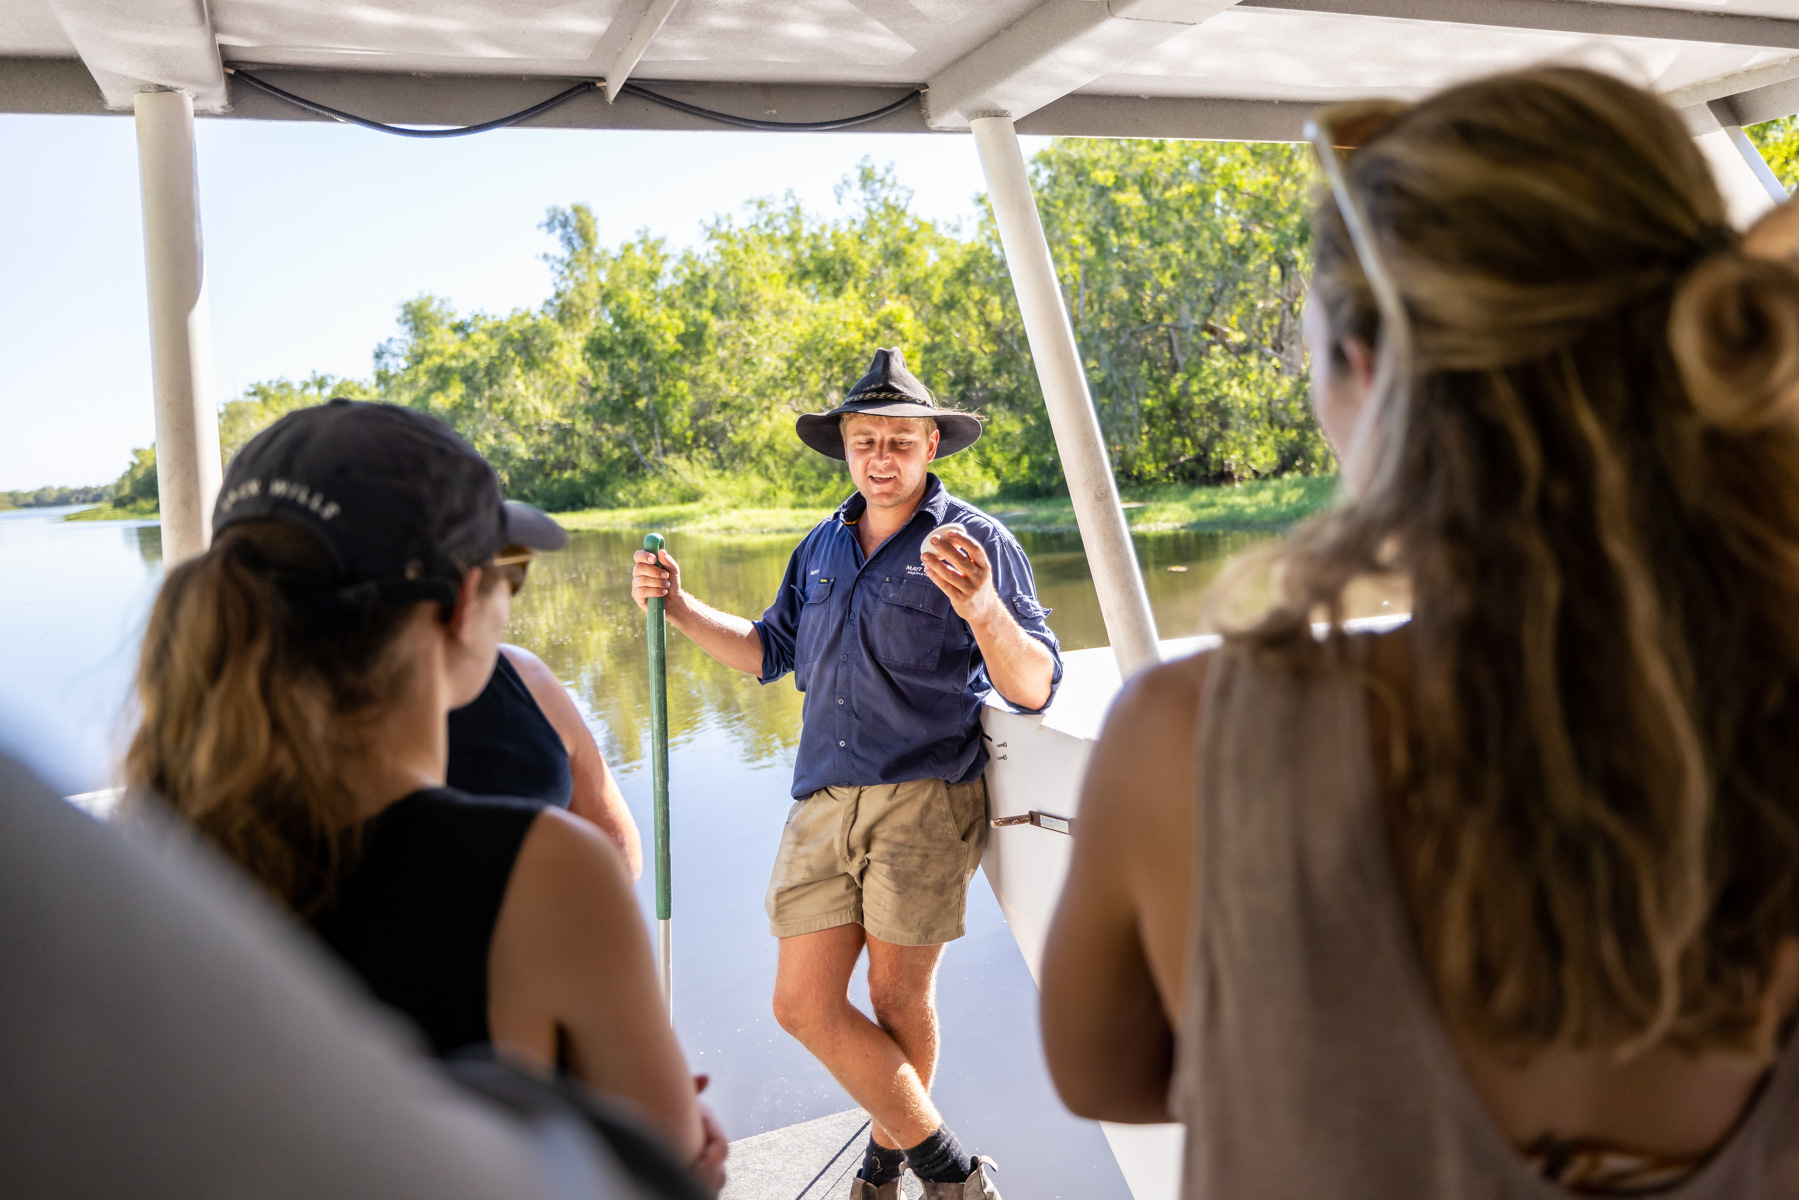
{"points": [[1504, 902], [295, 685]]}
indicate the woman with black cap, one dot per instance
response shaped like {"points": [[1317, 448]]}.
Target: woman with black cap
{"points": [[294, 686]]}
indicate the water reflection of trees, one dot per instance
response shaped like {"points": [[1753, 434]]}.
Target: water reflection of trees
{"points": [[146, 539], [1065, 584], [578, 616]]}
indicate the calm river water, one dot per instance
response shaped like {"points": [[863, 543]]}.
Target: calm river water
{"points": [[73, 605]]}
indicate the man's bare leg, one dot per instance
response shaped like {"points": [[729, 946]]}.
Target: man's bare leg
{"points": [[885, 1067], [902, 990]]}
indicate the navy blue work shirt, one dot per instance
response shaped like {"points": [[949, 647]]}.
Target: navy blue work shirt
{"points": [[893, 678]]}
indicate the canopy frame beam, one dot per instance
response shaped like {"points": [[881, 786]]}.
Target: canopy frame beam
{"points": [[624, 59], [1567, 16]]}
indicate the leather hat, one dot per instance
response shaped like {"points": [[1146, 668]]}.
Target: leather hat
{"points": [[889, 390]]}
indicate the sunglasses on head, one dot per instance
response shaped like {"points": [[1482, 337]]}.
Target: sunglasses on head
{"points": [[1335, 135], [1349, 127]]}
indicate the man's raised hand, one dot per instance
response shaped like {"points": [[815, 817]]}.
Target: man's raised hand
{"points": [[652, 579], [959, 566]]}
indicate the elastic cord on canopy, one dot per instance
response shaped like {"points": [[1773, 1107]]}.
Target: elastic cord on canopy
{"points": [[563, 97], [632, 89], [1392, 359], [323, 110]]}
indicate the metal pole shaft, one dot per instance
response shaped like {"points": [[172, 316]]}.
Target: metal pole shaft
{"points": [[1123, 600], [187, 423], [1748, 185], [658, 645]]}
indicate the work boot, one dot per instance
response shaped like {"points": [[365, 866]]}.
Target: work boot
{"points": [[978, 1185], [861, 1189]]}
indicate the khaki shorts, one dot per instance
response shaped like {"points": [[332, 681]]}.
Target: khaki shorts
{"points": [[894, 858]]}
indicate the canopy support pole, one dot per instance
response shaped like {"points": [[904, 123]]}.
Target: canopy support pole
{"points": [[187, 423], [1745, 180], [1123, 600]]}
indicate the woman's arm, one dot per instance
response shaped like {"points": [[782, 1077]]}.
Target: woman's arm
{"points": [[596, 796], [1111, 967], [570, 977]]}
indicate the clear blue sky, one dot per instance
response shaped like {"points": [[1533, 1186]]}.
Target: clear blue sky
{"points": [[316, 233]]}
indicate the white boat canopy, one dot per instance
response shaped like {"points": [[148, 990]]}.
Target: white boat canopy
{"points": [[1104, 68], [1100, 68]]}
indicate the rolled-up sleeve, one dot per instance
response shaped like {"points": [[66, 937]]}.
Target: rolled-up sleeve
{"points": [[780, 623], [1016, 587]]}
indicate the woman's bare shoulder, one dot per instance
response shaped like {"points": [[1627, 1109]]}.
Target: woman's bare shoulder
{"points": [[1166, 691], [1160, 703], [552, 698], [567, 870], [1143, 767]]}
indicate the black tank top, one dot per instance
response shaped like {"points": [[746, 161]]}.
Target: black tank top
{"points": [[501, 744], [415, 917]]}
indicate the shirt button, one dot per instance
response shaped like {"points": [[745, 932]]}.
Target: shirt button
{"points": [[840, 743], [840, 699], [846, 658]]}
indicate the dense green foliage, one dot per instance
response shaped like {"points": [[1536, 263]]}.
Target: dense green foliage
{"points": [[138, 484], [651, 376], [1779, 143], [1184, 267], [133, 494], [49, 497]]}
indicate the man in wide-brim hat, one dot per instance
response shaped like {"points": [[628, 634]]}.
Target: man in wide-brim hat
{"points": [[898, 615]]}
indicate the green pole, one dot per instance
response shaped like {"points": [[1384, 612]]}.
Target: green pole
{"points": [[658, 644]]}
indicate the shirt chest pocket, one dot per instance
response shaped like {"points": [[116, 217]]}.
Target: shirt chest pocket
{"points": [[910, 623], [814, 624]]}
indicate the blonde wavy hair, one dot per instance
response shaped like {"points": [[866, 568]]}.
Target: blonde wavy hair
{"points": [[251, 701], [1588, 474]]}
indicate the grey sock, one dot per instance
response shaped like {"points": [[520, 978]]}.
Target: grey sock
{"points": [[881, 1165], [939, 1158]]}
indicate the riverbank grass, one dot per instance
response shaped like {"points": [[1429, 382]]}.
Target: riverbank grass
{"points": [[138, 510], [1262, 506]]}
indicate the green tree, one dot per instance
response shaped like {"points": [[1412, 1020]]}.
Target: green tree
{"points": [[137, 486], [1183, 266], [1779, 143], [262, 404], [650, 375]]}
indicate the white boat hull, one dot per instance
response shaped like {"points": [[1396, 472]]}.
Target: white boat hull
{"points": [[1038, 762], [1037, 765]]}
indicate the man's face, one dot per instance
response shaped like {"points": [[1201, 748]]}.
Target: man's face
{"points": [[888, 456]]}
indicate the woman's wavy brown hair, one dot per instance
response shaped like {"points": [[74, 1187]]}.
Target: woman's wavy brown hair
{"points": [[251, 702], [1589, 477]]}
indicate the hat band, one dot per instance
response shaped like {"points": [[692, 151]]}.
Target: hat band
{"points": [[858, 397]]}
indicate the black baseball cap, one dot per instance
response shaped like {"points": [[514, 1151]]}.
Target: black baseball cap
{"points": [[403, 505]]}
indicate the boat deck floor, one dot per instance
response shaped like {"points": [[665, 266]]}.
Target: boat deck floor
{"points": [[809, 1161]]}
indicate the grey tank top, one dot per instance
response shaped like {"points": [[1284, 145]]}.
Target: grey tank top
{"points": [[1312, 1060]]}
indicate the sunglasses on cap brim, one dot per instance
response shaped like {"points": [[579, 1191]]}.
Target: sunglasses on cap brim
{"points": [[512, 564]]}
